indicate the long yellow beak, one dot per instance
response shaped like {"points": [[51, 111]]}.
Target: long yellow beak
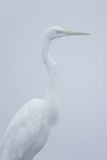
{"points": [[68, 32]]}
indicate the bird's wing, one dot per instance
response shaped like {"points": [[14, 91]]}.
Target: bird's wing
{"points": [[21, 133]]}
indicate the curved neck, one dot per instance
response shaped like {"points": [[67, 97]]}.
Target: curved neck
{"points": [[50, 65]]}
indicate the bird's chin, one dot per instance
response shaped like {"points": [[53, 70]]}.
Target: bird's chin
{"points": [[57, 37]]}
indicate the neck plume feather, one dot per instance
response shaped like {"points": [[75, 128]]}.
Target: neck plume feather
{"points": [[50, 65]]}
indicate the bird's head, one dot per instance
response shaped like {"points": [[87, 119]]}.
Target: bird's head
{"points": [[56, 32]]}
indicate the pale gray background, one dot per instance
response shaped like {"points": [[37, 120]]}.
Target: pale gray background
{"points": [[82, 65]]}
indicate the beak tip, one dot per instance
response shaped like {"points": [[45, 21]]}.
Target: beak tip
{"points": [[88, 34]]}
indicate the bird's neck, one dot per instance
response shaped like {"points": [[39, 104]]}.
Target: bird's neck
{"points": [[50, 65]]}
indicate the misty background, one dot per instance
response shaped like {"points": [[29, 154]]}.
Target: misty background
{"points": [[82, 66]]}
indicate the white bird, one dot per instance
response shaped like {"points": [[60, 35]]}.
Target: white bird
{"points": [[30, 128]]}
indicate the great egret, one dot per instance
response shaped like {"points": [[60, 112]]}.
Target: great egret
{"points": [[29, 130]]}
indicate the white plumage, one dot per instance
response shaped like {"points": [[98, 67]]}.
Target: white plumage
{"points": [[29, 130]]}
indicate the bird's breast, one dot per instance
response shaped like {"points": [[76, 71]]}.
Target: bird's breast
{"points": [[50, 114]]}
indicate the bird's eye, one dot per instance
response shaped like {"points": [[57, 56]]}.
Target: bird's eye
{"points": [[58, 32]]}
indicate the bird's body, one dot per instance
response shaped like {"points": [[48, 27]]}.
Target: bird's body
{"points": [[29, 130]]}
